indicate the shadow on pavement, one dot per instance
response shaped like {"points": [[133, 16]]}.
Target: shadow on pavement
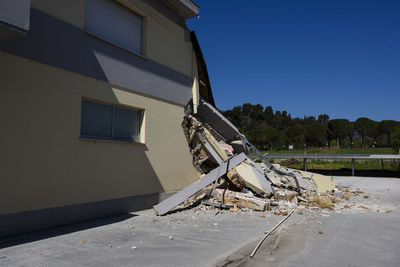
{"points": [[61, 230]]}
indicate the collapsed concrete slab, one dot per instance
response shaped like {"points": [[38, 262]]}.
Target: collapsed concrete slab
{"points": [[254, 179], [207, 113], [311, 181], [220, 151], [324, 183], [173, 201]]}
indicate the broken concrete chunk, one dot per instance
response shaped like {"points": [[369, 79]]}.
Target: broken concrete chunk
{"points": [[310, 181], [254, 179], [228, 148], [215, 145], [241, 200], [239, 147], [273, 177], [258, 166], [235, 179], [324, 183], [210, 149], [196, 198], [176, 199], [306, 183], [300, 199], [287, 195], [322, 202]]}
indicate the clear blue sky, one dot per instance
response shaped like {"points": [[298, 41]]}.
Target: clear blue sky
{"points": [[339, 57]]}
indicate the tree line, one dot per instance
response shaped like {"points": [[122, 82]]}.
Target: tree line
{"points": [[277, 130]]}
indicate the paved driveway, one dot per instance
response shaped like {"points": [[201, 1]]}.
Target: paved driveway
{"points": [[353, 237], [366, 235]]}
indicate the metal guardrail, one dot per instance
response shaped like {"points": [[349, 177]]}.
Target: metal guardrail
{"points": [[353, 157]]}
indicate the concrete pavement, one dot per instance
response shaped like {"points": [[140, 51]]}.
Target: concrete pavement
{"points": [[366, 235], [197, 237]]}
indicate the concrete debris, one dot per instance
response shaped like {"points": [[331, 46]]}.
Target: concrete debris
{"points": [[228, 149], [219, 205], [322, 202], [324, 183], [176, 199], [242, 200], [253, 178], [236, 176], [287, 195]]}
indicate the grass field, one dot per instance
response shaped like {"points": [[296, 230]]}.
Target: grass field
{"points": [[326, 150], [342, 164], [365, 165]]}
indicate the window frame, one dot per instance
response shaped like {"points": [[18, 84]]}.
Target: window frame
{"points": [[112, 138], [142, 52]]}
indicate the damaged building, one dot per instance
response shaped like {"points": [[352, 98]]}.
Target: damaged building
{"points": [[92, 96], [95, 116]]}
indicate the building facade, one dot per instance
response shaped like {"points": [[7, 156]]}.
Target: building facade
{"points": [[92, 97]]}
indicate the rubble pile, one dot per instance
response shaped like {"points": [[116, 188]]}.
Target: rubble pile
{"points": [[235, 175]]}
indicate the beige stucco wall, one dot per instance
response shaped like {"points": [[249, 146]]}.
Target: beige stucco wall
{"points": [[163, 39], [43, 163]]}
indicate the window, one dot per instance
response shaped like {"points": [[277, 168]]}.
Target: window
{"points": [[110, 122], [114, 23]]}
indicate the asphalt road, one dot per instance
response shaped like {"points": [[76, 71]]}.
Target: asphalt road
{"points": [[351, 237]]}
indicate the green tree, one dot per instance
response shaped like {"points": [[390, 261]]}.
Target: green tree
{"points": [[272, 138], [267, 128], [269, 116], [323, 119], [234, 115], [256, 137], [366, 128], [395, 136], [315, 134], [278, 121], [339, 129], [295, 135], [386, 127], [309, 120]]}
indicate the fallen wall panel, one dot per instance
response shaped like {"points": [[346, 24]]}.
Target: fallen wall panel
{"points": [[217, 121], [173, 201]]}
